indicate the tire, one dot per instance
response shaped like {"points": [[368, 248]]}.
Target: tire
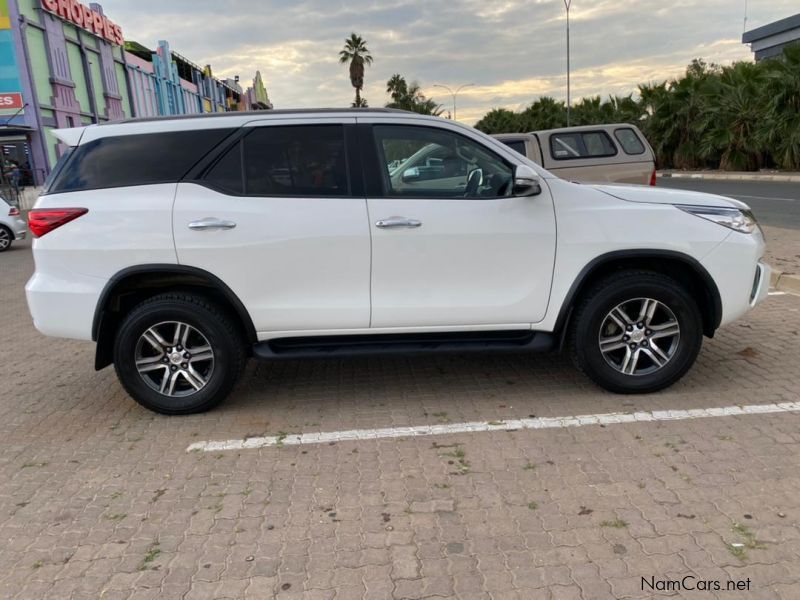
{"points": [[6, 238], [593, 323], [189, 383]]}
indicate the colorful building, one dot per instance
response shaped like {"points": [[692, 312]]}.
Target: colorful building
{"points": [[66, 64]]}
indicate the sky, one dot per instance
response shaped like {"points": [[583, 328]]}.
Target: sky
{"points": [[512, 50]]}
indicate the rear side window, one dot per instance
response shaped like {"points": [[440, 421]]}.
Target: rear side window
{"points": [[516, 145], [629, 141], [129, 160], [303, 160], [581, 144]]}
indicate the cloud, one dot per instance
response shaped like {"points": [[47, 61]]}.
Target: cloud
{"points": [[513, 50]]}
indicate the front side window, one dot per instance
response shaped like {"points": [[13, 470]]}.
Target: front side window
{"points": [[304, 160], [423, 162], [583, 144], [629, 141]]}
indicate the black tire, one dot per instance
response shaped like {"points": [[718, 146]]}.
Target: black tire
{"points": [[602, 298], [214, 323], [8, 235]]}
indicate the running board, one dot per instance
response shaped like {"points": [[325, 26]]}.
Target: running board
{"points": [[386, 344]]}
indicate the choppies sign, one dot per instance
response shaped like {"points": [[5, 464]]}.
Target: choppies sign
{"points": [[83, 16]]}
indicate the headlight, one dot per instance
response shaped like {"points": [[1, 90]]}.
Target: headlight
{"points": [[732, 218]]}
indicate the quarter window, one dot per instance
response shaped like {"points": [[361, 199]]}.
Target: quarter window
{"points": [[581, 144], [516, 145], [296, 161], [629, 141], [423, 162], [141, 159]]}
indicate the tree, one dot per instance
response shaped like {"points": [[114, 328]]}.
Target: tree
{"points": [[781, 128], [410, 97], [356, 53], [500, 120]]}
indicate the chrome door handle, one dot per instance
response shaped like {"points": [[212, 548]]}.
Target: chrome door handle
{"points": [[397, 223], [211, 223]]}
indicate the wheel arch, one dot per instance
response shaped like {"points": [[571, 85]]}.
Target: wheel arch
{"points": [[132, 285], [685, 269]]}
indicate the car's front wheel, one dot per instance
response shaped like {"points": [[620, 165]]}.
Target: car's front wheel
{"points": [[178, 354], [636, 332]]}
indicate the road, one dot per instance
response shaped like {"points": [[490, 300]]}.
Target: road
{"points": [[774, 203]]}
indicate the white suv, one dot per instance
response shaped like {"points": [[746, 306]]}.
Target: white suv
{"points": [[12, 227], [184, 245]]}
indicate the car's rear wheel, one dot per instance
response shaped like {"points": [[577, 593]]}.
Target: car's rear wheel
{"points": [[636, 332], [6, 237], [178, 354]]}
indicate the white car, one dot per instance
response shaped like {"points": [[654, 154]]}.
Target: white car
{"points": [[12, 227], [184, 245]]}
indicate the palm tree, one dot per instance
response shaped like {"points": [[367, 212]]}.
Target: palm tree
{"points": [[356, 53], [500, 120], [410, 97]]}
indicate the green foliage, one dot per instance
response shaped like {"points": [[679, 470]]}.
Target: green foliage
{"points": [[739, 117], [407, 96]]}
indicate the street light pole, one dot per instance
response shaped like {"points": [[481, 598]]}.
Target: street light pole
{"points": [[568, 5], [454, 95]]}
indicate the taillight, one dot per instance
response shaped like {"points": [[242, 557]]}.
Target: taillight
{"points": [[653, 177], [13, 211], [42, 221]]}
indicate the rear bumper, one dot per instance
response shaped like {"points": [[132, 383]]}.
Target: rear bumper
{"points": [[63, 307]]}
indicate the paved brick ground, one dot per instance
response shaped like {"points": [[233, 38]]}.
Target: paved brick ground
{"points": [[99, 498], [783, 249]]}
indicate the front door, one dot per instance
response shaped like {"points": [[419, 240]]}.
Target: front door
{"points": [[277, 218], [451, 245]]}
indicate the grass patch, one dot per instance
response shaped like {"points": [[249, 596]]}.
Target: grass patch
{"points": [[152, 554], [33, 465], [441, 486], [749, 541], [533, 505], [38, 564], [529, 466], [116, 516], [615, 524]]}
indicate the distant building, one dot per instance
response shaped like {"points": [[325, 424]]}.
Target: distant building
{"points": [[65, 63], [769, 40]]}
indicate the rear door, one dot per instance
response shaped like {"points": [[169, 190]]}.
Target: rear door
{"points": [[280, 220], [455, 248]]}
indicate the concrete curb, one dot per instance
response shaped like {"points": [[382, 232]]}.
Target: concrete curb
{"points": [[785, 177], [785, 283]]}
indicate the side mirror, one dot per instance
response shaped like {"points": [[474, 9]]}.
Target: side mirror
{"points": [[411, 174], [526, 182]]}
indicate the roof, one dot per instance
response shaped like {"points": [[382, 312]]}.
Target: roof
{"points": [[771, 29], [278, 112]]}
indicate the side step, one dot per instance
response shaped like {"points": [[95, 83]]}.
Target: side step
{"points": [[387, 344]]}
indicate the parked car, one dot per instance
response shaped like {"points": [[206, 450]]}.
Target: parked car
{"points": [[184, 245], [617, 153], [12, 227]]}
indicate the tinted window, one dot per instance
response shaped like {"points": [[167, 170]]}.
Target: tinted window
{"points": [[227, 173], [423, 162], [516, 145], [629, 141], [135, 159], [307, 160], [582, 144]]}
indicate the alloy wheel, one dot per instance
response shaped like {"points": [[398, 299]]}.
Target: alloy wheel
{"points": [[639, 336], [174, 359], [5, 238]]}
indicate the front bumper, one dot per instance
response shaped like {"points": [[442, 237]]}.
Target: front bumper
{"points": [[742, 278]]}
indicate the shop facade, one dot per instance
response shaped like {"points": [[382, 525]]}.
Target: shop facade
{"points": [[65, 64]]}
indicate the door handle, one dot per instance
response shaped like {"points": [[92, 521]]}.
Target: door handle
{"points": [[398, 223], [211, 223]]}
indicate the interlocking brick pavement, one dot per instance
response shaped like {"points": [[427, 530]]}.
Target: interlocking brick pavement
{"points": [[99, 498]]}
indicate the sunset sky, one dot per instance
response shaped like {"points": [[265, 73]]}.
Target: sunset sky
{"points": [[513, 50]]}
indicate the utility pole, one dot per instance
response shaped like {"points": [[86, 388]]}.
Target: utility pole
{"points": [[568, 5], [453, 94]]}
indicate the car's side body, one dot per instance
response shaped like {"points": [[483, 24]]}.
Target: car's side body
{"points": [[339, 265], [613, 153]]}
